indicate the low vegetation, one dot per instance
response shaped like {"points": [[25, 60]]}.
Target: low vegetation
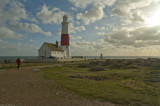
{"points": [[14, 65], [31, 64], [127, 82]]}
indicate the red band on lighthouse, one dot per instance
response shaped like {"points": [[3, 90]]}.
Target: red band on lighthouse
{"points": [[65, 40]]}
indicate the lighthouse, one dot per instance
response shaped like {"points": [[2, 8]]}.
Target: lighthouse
{"points": [[65, 40]]}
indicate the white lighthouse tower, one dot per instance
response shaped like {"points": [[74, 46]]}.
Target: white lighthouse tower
{"points": [[65, 40]]}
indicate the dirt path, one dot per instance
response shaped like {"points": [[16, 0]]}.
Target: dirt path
{"points": [[25, 87]]}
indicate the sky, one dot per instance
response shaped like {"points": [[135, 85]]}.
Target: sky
{"points": [[110, 27]]}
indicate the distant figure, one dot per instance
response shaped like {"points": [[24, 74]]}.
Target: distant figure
{"points": [[5, 61], [18, 61], [101, 56]]}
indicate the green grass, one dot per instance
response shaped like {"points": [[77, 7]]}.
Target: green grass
{"points": [[120, 86], [14, 65], [30, 64]]}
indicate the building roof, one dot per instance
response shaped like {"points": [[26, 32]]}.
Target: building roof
{"points": [[53, 47]]}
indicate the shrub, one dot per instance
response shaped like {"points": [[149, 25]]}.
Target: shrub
{"points": [[128, 63], [95, 63], [131, 66], [83, 66], [96, 68], [96, 78], [116, 65], [108, 62]]}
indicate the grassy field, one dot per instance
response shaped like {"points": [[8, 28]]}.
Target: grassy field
{"points": [[127, 82], [14, 65], [31, 64]]}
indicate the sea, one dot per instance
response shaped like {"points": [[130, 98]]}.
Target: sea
{"points": [[13, 58]]}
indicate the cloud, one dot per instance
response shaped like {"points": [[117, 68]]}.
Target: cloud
{"points": [[94, 14], [135, 37], [17, 49], [88, 48], [12, 10], [99, 28], [6, 33], [74, 9], [75, 37], [85, 3], [74, 29], [51, 15], [134, 16], [33, 28], [83, 45], [59, 32], [30, 40], [101, 33], [131, 10]]}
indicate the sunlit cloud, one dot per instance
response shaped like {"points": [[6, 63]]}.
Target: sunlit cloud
{"points": [[51, 15], [95, 14], [154, 19]]}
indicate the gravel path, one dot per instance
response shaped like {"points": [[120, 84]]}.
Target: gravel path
{"points": [[25, 87]]}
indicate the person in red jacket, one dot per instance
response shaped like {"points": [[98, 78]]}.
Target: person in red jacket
{"points": [[18, 61]]}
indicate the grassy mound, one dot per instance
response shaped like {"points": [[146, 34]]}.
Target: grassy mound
{"points": [[127, 82]]}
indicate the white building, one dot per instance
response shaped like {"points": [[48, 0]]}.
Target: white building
{"points": [[48, 50]]}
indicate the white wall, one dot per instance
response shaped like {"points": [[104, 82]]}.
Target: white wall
{"points": [[44, 51], [58, 54], [67, 49], [65, 28]]}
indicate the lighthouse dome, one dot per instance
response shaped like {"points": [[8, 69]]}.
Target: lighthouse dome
{"points": [[65, 16]]}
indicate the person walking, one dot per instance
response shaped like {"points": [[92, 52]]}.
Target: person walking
{"points": [[18, 61]]}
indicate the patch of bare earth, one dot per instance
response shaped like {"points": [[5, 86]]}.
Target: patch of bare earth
{"points": [[25, 87]]}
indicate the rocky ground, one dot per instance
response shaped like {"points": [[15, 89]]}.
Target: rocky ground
{"points": [[28, 87]]}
